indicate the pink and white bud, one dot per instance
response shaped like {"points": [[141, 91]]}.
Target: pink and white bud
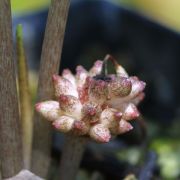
{"points": [[91, 112], [81, 75], [124, 126], [98, 91], [81, 127], [70, 105], [48, 109], [130, 111], [67, 74], [138, 98], [96, 69], [119, 87], [64, 124], [137, 86], [100, 133], [110, 119], [63, 86]]}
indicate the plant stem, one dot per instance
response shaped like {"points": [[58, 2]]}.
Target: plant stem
{"points": [[50, 60], [25, 99], [72, 153], [10, 137]]}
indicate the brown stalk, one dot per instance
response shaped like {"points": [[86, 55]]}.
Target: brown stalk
{"points": [[72, 153], [10, 138], [50, 60], [25, 99]]}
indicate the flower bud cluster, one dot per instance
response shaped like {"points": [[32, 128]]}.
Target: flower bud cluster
{"points": [[93, 104]]}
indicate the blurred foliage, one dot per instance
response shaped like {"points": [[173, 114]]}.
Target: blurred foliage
{"points": [[22, 7], [168, 151], [166, 12]]}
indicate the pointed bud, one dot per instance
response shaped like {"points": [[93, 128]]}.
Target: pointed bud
{"points": [[110, 119], [63, 86], [124, 126], [96, 69], [138, 98], [48, 109], [67, 74], [70, 105], [64, 123], [137, 86], [98, 91], [130, 112], [81, 128], [100, 133], [81, 75], [118, 115], [119, 87], [107, 117], [91, 112]]}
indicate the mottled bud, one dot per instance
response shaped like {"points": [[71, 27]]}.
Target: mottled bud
{"points": [[130, 112], [48, 109], [124, 126], [119, 87], [137, 86], [91, 112], [67, 74], [81, 127], [110, 119], [138, 98], [70, 105], [96, 69], [63, 87], [81, 75], [100, 133], [98, 91], [64, 124]]}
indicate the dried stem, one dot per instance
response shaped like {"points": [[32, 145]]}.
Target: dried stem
{"points": [[50, 60], [71, 156], [25, 99], [10, 139]]}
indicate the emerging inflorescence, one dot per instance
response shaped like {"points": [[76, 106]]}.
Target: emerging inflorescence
{"points": [[94, 104]]}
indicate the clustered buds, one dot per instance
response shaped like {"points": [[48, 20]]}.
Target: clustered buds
{"points": [[93, 104]]}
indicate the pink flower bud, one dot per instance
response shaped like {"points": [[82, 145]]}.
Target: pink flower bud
{"points": [[91, 112], [98, 91], [119, 87], [81, 127], [138, 98], [96, 69], [81, 75], [137, 86], [70, 105], [100, 133], [124, 126], [64, 124], [67, 74], [48, 109], [63, 86], [110, 119], [130, 112]]}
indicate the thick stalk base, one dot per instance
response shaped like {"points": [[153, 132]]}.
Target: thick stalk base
{"points": [[71, 156]]}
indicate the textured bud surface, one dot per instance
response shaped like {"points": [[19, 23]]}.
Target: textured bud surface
{"points": [[94, 104]]}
